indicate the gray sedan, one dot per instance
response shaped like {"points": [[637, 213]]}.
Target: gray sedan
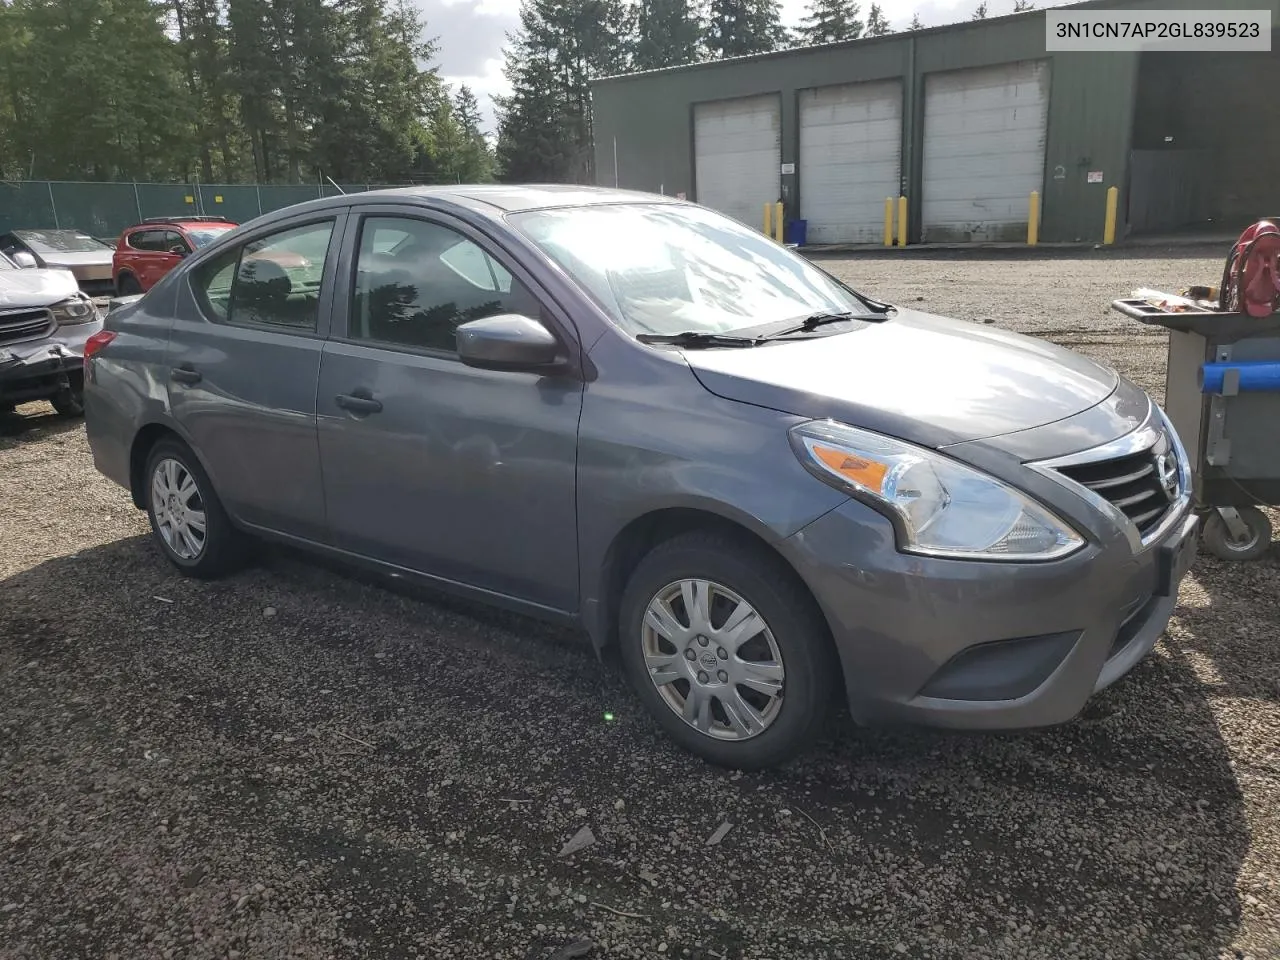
{"points": [[638, 416]]}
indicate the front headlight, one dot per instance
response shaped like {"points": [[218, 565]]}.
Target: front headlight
{"points": [[77, 309], [941, 507]]}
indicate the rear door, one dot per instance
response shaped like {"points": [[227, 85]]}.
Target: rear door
{"points": [[133, 257], [460, 473], [244, 361]]}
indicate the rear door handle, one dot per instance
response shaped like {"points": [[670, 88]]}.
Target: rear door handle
{"points": [[356, 403], [185, 374]]}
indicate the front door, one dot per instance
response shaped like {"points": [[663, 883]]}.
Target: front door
{"points": [[459, 473], [244, 360]]}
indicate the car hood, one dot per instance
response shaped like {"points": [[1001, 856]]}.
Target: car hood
{"points": [[35, 288], [85, 258], [922, 378]]}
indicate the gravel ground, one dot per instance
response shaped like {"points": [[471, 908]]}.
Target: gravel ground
{"points": [[298, 763]]}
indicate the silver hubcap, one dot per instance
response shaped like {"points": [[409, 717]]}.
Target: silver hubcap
{"points": [[178, 508], [713, 659]]}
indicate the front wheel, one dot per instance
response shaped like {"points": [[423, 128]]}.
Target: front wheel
{"points": [[127, 285], [727, 650], [187, 518]]}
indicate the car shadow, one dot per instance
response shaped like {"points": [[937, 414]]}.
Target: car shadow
{"points": [[1229, 625], [333, 738], [34, 421]]}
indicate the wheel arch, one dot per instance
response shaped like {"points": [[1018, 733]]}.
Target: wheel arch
{"points": [[639, 536], [144, 442]]}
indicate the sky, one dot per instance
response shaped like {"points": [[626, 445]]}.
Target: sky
{"points": [[471, 34]]}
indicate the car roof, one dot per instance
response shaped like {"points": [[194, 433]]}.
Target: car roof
{"points": [[487, 199], [178, 222]]}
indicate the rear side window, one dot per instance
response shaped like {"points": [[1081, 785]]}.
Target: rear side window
{"points": [[272, 281], [147, 240]]}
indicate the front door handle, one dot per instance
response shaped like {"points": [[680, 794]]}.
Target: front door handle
{"points": [[358, 401], [185, 374]]}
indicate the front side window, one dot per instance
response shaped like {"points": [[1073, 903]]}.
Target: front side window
{"points": [[417, 281], [668, 268], [274, 280]]}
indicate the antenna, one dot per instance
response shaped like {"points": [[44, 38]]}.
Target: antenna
{"points": [[335, 185]]}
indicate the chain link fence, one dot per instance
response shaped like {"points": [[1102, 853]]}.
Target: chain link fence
{"points": [[104, 209]]}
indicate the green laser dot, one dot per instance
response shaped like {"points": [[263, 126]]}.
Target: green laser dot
{"points": [[608, 717]]}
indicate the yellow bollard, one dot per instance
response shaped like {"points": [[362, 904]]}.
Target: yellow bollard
{"points": [[1109, 227], [888, 221], [1033, 220], [902, 221], [768, 219], [777, 222]]}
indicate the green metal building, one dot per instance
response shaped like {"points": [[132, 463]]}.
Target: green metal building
{"points": [[965, 121]]}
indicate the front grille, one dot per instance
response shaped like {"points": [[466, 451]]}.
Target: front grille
{"points": [[1135, 484], [18, 325]]}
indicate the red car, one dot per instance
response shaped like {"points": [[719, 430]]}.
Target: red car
{"points": [[147, 251]]}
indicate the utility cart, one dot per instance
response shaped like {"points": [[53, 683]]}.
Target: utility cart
{"points": [[1222, 394]]}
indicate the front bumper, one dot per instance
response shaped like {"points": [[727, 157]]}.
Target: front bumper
{"points": [[39, 369], [979, 645]]}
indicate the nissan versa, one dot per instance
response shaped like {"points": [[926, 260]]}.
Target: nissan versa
{"points": [[637, 415]]}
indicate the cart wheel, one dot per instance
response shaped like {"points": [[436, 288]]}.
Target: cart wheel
{"points": [[1217, 535]]}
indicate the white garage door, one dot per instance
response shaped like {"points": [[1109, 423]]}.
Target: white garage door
{"points": [[984, 133], [738, 155], [850, 159]]}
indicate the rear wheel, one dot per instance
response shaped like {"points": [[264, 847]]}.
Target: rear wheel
{"points": [[187, 518], [727, 651], [127, 285]]}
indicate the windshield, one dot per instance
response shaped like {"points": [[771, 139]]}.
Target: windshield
{"points": [[667, 268], [61, 241], [203, 235]]}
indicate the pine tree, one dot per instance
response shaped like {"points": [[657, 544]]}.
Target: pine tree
{"points": [[980, 12], [475, 160], [830, 21], [739, 27], [916, 23], [1022, 6], [668, 33], [545, 125], [877, 23]]}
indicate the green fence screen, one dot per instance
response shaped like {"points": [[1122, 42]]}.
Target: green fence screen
{"points": [[104, 209]]}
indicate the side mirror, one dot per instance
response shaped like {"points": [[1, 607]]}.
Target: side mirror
{"points": [[24, 259], [177, 251], [507, 342]]}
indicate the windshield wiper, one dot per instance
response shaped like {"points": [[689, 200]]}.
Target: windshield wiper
{"points": [[813, 321], [695, 339]]}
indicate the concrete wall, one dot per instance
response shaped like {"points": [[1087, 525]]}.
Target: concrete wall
{"points": [[648, 117]]}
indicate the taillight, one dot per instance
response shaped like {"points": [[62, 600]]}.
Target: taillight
{"points": [[96, 342]]}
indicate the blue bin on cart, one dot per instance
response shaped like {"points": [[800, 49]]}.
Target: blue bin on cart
{"points": [[797, 232]]}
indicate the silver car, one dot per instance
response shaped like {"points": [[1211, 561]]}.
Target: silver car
{"points": [[44, 322], [86, 257], [620, 411]]}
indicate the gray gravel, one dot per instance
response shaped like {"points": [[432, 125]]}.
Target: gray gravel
{"points": [[297, 763]]}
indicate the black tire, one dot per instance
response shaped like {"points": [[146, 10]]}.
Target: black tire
{"points": [[127, 285], [223, 547], [1218, 540], [791, 615], [69, 402]]}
